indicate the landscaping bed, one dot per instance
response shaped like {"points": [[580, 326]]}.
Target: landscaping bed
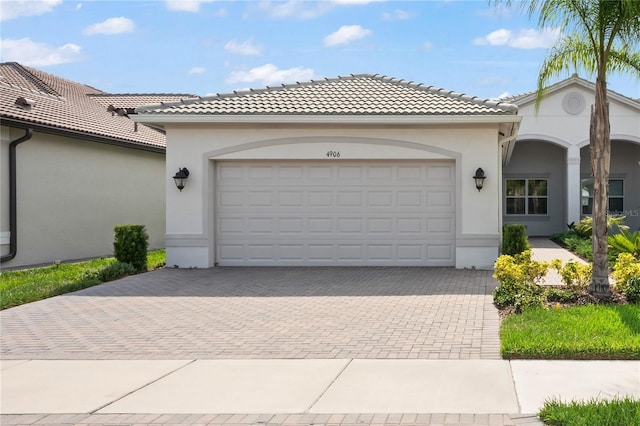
{"points": [[29, 285]]}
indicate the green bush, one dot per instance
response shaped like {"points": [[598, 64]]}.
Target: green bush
{"points": [[130, 245], [109, 272], [553, 294], [632, 290], [582, 246], [514, 239], [115, 270], [626, 242], [626, 273], [584, 228], [575, 275], [518, 276]]}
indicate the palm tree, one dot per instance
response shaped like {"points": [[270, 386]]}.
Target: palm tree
{"points": [[602, 36]]}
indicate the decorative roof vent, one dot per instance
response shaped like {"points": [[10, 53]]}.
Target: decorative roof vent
{"points": [[120, 111], [25, 103]]}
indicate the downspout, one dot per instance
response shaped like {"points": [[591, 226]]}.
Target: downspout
{"points": [[13, 211]]}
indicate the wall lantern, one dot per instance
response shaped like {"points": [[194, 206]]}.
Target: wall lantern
{"points": [[479, 178], [181, 178]]}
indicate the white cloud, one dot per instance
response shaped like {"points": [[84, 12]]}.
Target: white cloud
{"points": [[524, 39], [197, 70], [18, 8], [397, 15], [346, 34], [243, 48], [185, 5], [31, 53], [78, 6], [111, 26], [428, 46], [270, 74], [503, 96]]}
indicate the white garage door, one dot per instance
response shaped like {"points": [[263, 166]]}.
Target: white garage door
{"points": [[335, 213]]}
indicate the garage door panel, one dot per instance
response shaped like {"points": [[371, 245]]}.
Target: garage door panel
{"points": [[335, 213]]}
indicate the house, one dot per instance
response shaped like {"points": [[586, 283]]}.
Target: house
{"points": [[73, 164], [355, 170], [548, 181]]}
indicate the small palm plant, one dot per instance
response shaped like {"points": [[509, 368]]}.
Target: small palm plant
{"points": [[626, 242]]}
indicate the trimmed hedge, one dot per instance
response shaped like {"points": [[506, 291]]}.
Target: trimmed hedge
{"points": [[514, 239], [130, 245]]}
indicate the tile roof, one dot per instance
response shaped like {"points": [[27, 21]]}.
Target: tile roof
{"points": [[523, 98], [362, 94], [68, 106]]}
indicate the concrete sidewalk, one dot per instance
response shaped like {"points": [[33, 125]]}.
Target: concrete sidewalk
{"points": [[491, 392]]}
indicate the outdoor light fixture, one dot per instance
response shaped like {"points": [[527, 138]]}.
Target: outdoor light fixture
{"points": [[479, 178], [181, 178]]}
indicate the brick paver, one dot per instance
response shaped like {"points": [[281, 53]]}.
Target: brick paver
{"points": [[240, 313]]}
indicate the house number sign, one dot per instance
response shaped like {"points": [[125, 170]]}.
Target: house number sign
{"points": [[333, 154]]}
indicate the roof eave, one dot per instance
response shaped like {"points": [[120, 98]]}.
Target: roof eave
{"points": [[161, 119], [74, 134]]}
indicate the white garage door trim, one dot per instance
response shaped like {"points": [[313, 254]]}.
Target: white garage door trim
{"points": [[335, 213]]}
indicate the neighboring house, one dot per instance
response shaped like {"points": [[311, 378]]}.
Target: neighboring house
{"points": [[548, 182], [79, 167], [356, 170]]}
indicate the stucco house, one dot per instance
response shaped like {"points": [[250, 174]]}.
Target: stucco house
{"points": [[548, 182], [73, 165], [355, 170]]}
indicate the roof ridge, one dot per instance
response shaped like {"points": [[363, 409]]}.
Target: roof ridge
{"points": [[142, 94], [26, 73], [450, 93], [32, 91]]}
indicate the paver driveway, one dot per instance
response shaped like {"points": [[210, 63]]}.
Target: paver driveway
{"points": [[235, 313]]}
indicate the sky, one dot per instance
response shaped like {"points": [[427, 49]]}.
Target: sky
{"points": [[204, 47]]}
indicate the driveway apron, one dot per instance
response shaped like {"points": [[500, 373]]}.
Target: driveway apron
{"points": [[264, 313]]}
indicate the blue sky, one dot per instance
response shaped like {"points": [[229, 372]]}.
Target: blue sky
{"points": [[205, 47]]}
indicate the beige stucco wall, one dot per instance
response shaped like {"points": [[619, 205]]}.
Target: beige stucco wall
{"points": [[71, 193], [196, 146]]}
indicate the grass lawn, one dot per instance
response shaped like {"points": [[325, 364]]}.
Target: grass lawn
{"points": [[591, 413], [579, 332], [30, 285]]}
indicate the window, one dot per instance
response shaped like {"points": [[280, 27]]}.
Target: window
{"points": [[527, 196], [616, 196]]}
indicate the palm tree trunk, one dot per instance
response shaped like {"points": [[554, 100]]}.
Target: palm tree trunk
{"points": [[600, 144]]}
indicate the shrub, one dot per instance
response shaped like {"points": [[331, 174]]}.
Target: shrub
{"points": [[553, 294], [514, 239], [109, 272], [626, 273], [632, 291], [114, 271], [626, 242], [584, 228], [582, 246], [576, 275], [130, 245], [518, 276]]}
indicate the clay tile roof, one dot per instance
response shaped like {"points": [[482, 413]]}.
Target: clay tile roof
{"points": [[361, 94], [68, 106]]}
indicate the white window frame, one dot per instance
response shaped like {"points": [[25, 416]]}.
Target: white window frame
{"points": [[526, 197]]}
